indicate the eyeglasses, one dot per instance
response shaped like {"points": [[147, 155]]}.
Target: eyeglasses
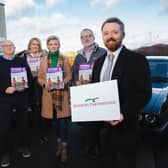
{"points": [[87, 36], [10, 45]]}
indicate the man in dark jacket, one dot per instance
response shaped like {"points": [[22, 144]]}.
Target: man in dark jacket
{"points": [[12, 97], [131, 70], [90, 52], [87, 55]]}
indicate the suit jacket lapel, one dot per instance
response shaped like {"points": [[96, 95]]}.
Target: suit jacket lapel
{"points": [[118, 68], [101, 65]]}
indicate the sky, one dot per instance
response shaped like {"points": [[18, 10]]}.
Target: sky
{"points": [[146, 21]]}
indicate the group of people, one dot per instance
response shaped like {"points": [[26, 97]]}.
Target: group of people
{"points": [[113, 141]]}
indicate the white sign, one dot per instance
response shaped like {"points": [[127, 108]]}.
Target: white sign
{"points": [[95, 102]]}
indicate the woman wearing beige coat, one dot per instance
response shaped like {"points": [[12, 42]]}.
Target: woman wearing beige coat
{"points": [[56, 102]]}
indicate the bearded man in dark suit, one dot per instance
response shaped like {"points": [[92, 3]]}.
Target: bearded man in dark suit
{"points": [[131, 70]]}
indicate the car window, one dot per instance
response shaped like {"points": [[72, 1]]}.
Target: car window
{"points": [[159, 70]]}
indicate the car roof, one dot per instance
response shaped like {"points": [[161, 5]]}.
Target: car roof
{"points": [[157, 57]]}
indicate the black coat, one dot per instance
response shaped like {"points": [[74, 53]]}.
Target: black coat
{"points": [[5, 80], [134, 85]]}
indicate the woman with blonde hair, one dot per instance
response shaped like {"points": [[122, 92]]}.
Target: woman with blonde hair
{"points": [[55, 101], [33, 55]]}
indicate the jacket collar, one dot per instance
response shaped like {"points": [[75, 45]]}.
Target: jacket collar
{"points": [[95, 47]]}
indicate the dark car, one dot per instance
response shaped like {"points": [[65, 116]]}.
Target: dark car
{"points": [[154, 117]]}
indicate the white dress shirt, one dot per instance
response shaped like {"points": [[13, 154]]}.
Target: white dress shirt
{"points": [[115, 54]]}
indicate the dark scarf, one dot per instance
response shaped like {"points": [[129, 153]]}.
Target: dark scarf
{"points": [[54, 58]]}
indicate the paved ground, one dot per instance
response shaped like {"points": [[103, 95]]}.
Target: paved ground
{"points": [[153, 153], [43, 156]]}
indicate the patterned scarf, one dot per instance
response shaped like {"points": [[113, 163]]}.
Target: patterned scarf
{"points": [[57, 94]]}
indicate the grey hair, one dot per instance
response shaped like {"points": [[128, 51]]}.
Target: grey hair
{"points": [[88, 30]]}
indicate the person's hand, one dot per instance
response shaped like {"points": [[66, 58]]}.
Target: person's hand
{"points": [[10, 90], [19, 89], [116, 122], [66, 81], [78, 83]]}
